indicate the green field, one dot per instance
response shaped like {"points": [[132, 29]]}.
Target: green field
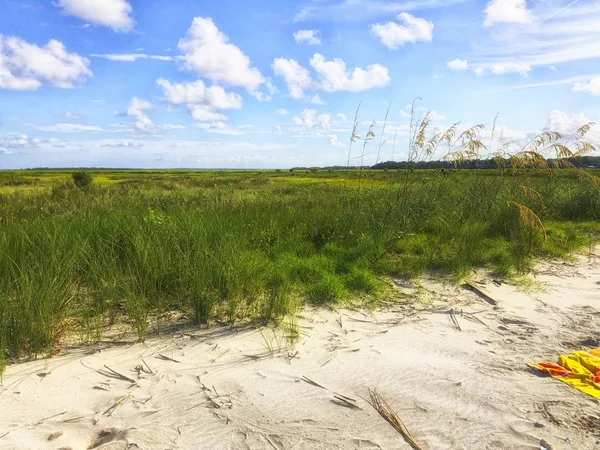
{"points": [[134, 246]]}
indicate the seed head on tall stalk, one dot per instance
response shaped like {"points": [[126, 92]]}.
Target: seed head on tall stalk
{"points": [[353, 138], [368, 139]]}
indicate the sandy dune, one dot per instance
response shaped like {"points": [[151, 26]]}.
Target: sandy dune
{"points": [[243, 389]]}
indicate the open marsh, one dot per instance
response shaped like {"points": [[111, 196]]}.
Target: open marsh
{"points": [[232, 245]]}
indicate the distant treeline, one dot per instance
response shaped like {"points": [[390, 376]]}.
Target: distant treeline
{"points": [[582, 162]]}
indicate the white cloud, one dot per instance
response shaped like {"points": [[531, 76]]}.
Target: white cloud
{"points": [[261, 96], [110, 13], [572, 35], [17, 141], [73, 116], [561, 122], [511, 67], [307, 37], [25, 66], [208, 52], [137, 109], [203, 102], [309, 120], [591, 87], [458, 65], [271, 88], [479, 71], [69, 128], [282, 112], [123, 144], [220, 128], [317, 100], [359, 10], [335, 77], [297, 78], [579, 80], [334, 141], [131, 57], [171, 127], [341, 116], [434, 116], [507, 11], [197, 93], [202, 114], [394, 36]]}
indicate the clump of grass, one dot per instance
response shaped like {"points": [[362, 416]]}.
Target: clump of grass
{"points": [[82, 179], [362, 281]]}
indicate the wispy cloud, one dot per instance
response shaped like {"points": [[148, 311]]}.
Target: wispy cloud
{"points": [[69, 128], [131, 57], [551, 39], [362, 10], [549, 83]]}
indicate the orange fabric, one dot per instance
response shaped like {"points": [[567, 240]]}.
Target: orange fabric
{"points": [[579, 369]]}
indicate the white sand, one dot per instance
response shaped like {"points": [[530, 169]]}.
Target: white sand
{"points": [[454, 389]]}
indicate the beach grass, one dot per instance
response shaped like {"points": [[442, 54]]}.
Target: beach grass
{"points": [[135, 246]]}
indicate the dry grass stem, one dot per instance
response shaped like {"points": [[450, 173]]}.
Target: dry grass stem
{"points": [[386, 411]]}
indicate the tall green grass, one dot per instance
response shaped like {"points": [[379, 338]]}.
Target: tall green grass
{"points": [[231, 246]]}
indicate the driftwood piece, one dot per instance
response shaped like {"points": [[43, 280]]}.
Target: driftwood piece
{"points": [[481, 292]]}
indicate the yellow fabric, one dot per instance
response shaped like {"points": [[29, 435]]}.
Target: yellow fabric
{"points": [[580, 370]]}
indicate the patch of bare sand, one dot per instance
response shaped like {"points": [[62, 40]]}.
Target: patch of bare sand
{"points": [[466, 388]]}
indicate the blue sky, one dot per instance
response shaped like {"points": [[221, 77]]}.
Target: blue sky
{"points": [[259, 83]]}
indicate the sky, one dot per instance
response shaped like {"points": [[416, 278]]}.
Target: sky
{"points": [[277, 84]]}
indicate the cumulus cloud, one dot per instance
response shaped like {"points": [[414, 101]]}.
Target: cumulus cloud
{"points": [[137, 109], [317, 100], [511, 67], [208, 53], [562, 122], [309, 37], [458, 65], [25, 66], [334, 141], [17, 141], [394, 35], [507, 11], [591, 87], [69, 128], [309, 121], [334, 75], [131, 57], [203, 102], [296, 77], [282, 112], [202, 114], [114, 14], [198, 93]]}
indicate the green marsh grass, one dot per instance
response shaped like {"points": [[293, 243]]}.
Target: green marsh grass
{"points": [[226, 245]]}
